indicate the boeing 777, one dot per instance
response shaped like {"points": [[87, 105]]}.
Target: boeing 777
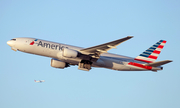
{"points": [[97, 56]]}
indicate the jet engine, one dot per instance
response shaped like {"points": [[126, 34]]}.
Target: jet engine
{"points": [[70, 53], [58, 64]]}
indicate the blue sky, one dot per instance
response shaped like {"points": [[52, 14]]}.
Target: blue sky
{"points": [[88, 23]]}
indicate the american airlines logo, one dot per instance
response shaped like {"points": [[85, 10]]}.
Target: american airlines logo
{"points": [[32, 43]]}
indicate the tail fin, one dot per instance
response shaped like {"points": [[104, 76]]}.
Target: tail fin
{"points": [[151, 54]]}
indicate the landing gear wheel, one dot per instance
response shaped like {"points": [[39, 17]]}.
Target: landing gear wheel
{"points": [[85, 65]]}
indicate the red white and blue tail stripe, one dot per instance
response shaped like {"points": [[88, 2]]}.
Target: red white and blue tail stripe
{"points": [[151, 54]]}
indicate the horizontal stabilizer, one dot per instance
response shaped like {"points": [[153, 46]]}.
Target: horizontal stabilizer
{"points": [[159, 63]]}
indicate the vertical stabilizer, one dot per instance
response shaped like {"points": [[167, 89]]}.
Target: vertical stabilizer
{"points": [[151, 54]]}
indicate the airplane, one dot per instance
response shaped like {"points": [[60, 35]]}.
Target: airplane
{"points": [[40, 81], [62, 55]]}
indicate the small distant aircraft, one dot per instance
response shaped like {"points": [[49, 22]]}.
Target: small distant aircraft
{"points": [[40, 81]]}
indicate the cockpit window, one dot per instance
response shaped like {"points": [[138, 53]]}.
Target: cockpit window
{"points": [[13, 39]]}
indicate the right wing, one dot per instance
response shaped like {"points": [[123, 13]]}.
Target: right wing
{"points": [[96, 51]]}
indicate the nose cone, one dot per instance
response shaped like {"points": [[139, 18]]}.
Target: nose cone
{"points": [[10, 43]]}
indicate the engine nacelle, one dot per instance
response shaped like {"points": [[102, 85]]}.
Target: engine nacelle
{"points": [[58, 64], [69, 53]]}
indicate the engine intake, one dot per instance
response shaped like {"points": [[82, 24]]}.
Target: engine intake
{"points": [[58, 64]]}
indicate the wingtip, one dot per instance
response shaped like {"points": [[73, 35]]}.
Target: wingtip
{"points": [[130, 36], [170, 60]]}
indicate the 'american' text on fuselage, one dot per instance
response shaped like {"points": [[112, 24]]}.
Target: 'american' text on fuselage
{"points": [[48, 45]]}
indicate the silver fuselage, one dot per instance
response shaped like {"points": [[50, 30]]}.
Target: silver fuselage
{"points": [[53, 50]]}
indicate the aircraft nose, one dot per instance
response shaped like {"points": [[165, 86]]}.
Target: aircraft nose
{"points": [[9, 43]]}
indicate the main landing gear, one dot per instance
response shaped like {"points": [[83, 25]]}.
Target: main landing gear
{"points": [[85, 65]]}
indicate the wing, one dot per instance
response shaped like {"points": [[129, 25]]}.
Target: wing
{"points": [[96, 51]]}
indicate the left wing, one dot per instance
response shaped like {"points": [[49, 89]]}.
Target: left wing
{"points": [[96, 51]]}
